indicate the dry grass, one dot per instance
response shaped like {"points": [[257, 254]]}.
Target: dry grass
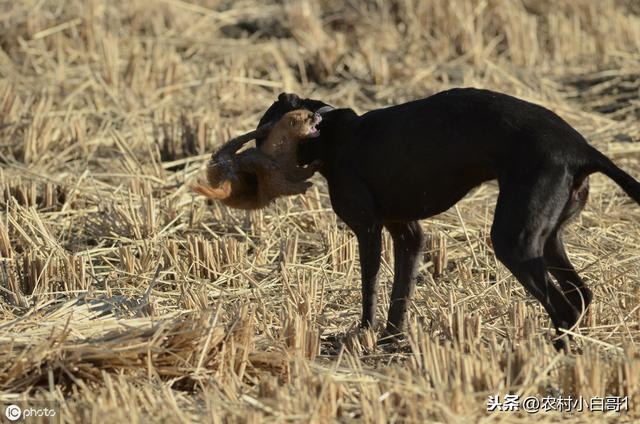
{"points": [[126, 298]]}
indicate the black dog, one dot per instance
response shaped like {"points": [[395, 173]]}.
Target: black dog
{"points": [[391, 167]]}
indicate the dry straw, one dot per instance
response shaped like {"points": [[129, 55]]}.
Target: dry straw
{"points": [[124, 297]]}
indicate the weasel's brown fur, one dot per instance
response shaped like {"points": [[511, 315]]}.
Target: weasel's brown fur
{"points": [[255, 177]]}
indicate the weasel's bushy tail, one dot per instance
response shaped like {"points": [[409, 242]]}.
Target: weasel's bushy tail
{"points": [[629, 184], [218, 193]]}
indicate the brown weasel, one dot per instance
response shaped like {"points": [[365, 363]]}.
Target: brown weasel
{"points": [[255, 177]]}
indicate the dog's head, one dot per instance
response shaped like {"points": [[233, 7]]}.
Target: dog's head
{"points": [[288, 102]]}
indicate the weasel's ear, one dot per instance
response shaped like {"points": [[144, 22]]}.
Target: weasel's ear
{"points": [[289, 99]]}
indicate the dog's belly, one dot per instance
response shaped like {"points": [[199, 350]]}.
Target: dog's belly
{"points": [[409, 199]]}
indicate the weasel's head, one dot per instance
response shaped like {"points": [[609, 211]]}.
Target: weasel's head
{"points": [[288, 102], [301, 123]]}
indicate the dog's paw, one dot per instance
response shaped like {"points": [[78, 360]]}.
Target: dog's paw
{"points": [[561, 345], [393, 342]]}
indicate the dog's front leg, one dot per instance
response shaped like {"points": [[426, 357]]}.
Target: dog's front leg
{"points": [[407, 243], [354, 206], [369, 247]]}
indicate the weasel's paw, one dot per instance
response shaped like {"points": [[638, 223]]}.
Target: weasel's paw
{"points": [[316, 165], [302, 187]]}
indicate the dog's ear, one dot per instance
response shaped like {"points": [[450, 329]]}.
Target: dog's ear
{"points": [[289, 99]]}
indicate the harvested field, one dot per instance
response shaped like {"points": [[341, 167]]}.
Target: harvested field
{"points": [[125, 298]]}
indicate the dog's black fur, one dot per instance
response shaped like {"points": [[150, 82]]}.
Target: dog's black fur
{"points": [[391, 167]]}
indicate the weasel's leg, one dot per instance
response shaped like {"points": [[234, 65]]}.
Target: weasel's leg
{"points": [[273, 184], [253, 160], [301, 174]]}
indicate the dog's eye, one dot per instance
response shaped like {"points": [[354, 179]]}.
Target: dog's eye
{"points": [[293, 122]]}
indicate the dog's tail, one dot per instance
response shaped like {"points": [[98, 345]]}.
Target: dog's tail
{"points": [[600, 163]]}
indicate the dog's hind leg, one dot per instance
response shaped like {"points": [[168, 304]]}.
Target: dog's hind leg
{"points": [[558, 264], [555, 255], [528, 210], [407, 243]]}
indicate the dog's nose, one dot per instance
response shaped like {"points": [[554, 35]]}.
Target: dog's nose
{"points": [[317, 117]]}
